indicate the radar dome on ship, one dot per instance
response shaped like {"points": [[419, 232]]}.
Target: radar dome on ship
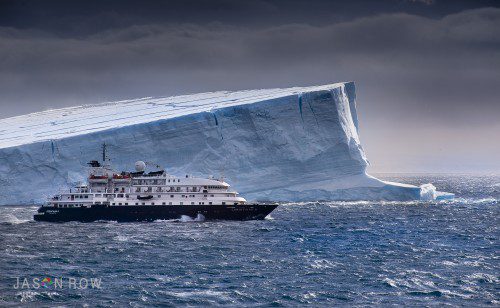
{"points": [[140, 166]]}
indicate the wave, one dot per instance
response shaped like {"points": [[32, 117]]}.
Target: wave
{"points": [[198, 218], [9, 218], [33, 296], [455, 201]]}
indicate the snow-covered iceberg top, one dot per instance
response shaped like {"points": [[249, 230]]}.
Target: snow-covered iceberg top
{"points": [[294, 144], [73, 121]]}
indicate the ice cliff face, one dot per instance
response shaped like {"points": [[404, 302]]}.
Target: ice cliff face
{"points": [[280, 144]]}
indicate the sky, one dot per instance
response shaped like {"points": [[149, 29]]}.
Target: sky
{"points": [[427, 72]]}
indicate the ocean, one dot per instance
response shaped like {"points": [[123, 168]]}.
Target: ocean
{"points": [[315, 253]]}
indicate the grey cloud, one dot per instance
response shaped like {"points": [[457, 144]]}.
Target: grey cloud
{"points": [[411, 71], [398, 48]]}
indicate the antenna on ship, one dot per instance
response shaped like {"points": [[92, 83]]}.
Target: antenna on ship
{"points": [[105, 158], [222, 174], [104, 152]]}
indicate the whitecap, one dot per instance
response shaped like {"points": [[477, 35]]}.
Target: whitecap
{"points": [[198, 218], [483, 277], [208, 295], [391, 282], [121, 238], [11, 219], [322, 264]]}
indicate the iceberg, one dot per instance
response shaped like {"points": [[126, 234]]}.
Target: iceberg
{"points": [[294, 144]]}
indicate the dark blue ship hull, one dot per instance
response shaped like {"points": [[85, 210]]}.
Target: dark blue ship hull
{"points": [[154, 212]]}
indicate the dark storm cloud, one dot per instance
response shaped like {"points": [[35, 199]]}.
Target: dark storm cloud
{"points": [[397, 52], [429, 64], [79, 18]]}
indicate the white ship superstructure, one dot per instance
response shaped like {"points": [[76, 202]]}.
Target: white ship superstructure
{"points": [[158, 188]]}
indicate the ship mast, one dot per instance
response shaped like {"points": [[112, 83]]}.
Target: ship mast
{"points": [[105, 159], [103, 152]]}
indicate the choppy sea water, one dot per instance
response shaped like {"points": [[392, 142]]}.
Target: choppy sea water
{"points": [[317, 253]]}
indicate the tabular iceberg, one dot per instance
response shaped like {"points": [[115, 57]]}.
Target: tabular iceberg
{"points": [[294, 144]]}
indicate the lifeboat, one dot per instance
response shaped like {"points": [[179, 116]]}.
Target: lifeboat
{"points": [[121, 178], [98, 177]]}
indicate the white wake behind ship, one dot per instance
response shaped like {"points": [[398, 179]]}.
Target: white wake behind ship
{"points": [[293, 144]]}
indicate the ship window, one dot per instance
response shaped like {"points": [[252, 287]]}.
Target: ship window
{"points": [[126, 203], [223, 203], [159, 196], [236, 203], [163, 203], [192, 203], [152, 203], [144, 203], [181, 203], [120, 203], [171, 196], [210, 203], [136, 203], [211, 195], [178, 180], [86, 196], [205, 195], [113, 203], [170, 203]]}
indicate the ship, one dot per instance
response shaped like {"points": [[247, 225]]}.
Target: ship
{"points": [[136, 196]]}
